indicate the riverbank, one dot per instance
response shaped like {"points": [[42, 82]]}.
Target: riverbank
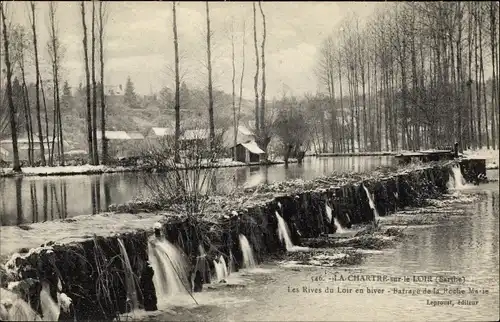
{"points": [[99, 169], [356, 154], [301, 206]]}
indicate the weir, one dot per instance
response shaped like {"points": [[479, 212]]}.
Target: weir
{"points": [[166, 265]]}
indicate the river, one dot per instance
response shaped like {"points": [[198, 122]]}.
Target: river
{"points": [[36, 199], [463, 245]]}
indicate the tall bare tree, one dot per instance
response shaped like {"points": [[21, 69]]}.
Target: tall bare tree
{"points": [[102, 21], [233, 96], [12, 113], [177, 105], [210, 89], [87, 90], [257, 68], [241, 80], [94, 92], [55, 55], [37, 72], [264, 135], [20, 49]]}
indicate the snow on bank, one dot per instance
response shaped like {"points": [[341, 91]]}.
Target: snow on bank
{"points": [[95, 169], [60, 170], [490, 155], [13, 238]]}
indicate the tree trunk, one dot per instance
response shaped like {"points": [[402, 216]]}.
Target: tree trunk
{"points": [[104, 142], [257, 68], [177, 87], [50, 151], [478, 86], [233, 96], [210, 92], [12, 113], [94, 94], [494, 89], [481, 75], [342, 133], [27, 108], [241, 80], [472, 137], [37, 72], [264, 135], [55, 52], [87, 77]]}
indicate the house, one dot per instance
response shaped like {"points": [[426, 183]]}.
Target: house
{"points": [[243, 135], [23, 147], [198, 137], [113, 90], [121, 143], [248, 152], [158, 132], [135, 135]]}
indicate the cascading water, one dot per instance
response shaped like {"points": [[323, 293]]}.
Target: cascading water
{"points": [[328, 212], [50, 309], [338, 227], [246, 249], [13, 308], [284, 232], [457, 181], [284, 235], [372, 204], [220, 269], [232, 269], [129, 277], [170, 268]]}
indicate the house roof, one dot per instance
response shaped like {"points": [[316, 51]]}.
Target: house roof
{"points": [[162, 131], [135, 135], [23, 142], [114, 135], [253, 147], [244, 130]]}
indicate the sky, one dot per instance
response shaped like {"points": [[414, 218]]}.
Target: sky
{"points": [[139, 42]]}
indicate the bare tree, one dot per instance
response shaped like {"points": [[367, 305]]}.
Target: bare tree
{"points": [[94, 94], [12, 113], [87, 76], [20, 47], [241, 80], [257, 68], [177, 87], [104, 142], [233, 96], [264, 139], [54, 49], [37, 71], [210, 89]]}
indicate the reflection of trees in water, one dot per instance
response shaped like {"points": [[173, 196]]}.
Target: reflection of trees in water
{"points": [[107, 192], [99, 202], [95, 194], [34, 201], [19, 200]]}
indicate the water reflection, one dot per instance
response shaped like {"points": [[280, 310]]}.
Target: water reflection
{"points": [[49, 198]]}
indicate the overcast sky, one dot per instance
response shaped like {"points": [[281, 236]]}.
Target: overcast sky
{"points": [[139, 41]]}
